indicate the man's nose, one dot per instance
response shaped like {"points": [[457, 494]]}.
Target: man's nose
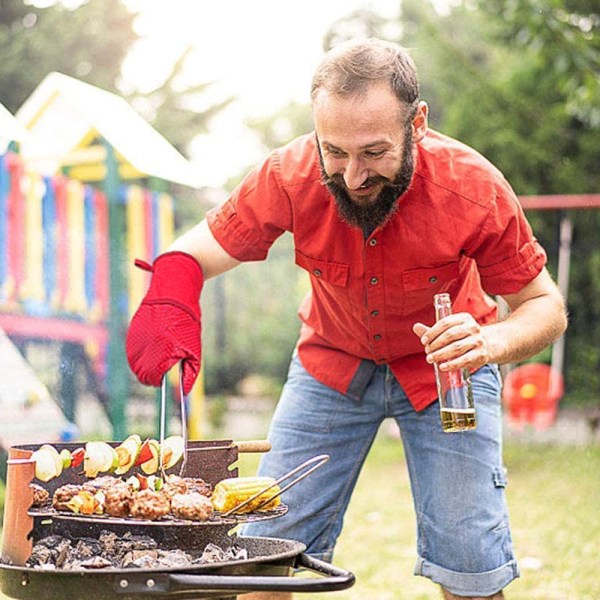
{"points": [[355, 173]]}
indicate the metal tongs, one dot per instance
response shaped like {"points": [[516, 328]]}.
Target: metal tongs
{"points": [[316, 462], [163, 418]]}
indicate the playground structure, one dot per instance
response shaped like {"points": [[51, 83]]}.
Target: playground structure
{"points": [[85, 188], [532, 392]]}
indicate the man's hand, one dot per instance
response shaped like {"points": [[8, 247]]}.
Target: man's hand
{"points": [[537, 318], [454, 342], [166, 327]]}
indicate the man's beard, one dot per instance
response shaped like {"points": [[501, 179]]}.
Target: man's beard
{"points": [[376, 213]]}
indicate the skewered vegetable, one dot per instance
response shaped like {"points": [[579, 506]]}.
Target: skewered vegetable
{"points": [[127, 453], [172, 450], [231, 492], [101, 457], [48, 463]]}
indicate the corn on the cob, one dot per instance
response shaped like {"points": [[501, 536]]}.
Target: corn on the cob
{"points": [[230, 493]]}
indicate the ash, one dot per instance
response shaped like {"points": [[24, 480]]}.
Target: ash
{"points": [[129, 551]]}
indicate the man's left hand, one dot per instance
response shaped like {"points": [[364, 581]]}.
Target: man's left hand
{"points": [[454, 342]]}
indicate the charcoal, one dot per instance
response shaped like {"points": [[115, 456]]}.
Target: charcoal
{"points": [[139, 558], [40, 555], [236, 553], [212, 553], [53, 550], [140, 542], [174, 559], [129, 551], [143, 561], [50, 541], [86, 548], [62, 552], [96, 562], [109, 542]]}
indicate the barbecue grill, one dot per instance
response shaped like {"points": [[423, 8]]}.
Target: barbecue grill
{"points": [[267, 564]]}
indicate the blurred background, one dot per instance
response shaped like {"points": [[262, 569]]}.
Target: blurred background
{"points": [[124, 121]]}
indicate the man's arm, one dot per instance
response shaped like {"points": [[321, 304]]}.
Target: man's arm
{"points": [[202, 245], [537, 318]]}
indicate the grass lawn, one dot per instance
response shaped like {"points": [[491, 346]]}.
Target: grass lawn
{"points": [[554, 500]]}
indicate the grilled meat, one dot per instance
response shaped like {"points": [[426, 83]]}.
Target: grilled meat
{"points": [[148, 504], [63, 495], [194, 506], [117, 500], [195, 484], [41, 496], [174, 485], [101, 484]]}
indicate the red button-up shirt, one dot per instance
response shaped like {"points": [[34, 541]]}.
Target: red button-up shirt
{"points": [[459, 228]]}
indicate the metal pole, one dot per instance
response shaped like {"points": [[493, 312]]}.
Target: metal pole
{"points": [[564, 263], [118, 374]]}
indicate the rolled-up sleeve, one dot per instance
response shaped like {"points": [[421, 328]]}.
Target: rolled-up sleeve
{"points": [[508, 255], [255, 215]]}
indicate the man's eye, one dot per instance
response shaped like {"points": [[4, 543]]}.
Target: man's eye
{"points": [[374, 153], [336, 153]]}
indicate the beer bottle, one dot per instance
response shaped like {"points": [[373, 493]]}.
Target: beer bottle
{"points": [[457, 407]]}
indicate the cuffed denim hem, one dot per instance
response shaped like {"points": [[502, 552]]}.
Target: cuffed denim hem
{"points": [[469, 584]]}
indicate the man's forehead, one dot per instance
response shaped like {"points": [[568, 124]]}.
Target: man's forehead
{"points": [[358, 123], [376, 105]]}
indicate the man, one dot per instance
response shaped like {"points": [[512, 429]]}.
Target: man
{"points": [[385, 213]]}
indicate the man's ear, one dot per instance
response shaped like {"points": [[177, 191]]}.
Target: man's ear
{"points": [[419, 124]]}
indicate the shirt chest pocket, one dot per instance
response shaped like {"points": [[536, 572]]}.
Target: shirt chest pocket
{"points": [[326, 271], [420, 285]]}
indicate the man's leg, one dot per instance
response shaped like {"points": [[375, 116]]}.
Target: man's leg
{"points": [[312, 419], [458, 482]]}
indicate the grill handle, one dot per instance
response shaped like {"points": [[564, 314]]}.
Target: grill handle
{"points": [[332, 579]]}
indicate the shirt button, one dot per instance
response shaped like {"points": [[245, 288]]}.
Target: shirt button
{"points": [[373, 242], [432, 279], [317, 272], [374, 313], [374, 280], [377, 337]]}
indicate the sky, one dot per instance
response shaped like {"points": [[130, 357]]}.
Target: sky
{"points": [[262, 51]]}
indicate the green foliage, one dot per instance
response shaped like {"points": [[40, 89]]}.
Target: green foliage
{"points": [[88, 43], [250, 321]]}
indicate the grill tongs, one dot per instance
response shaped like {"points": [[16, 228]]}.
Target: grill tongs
{"points": [[316, 462], [162, 424]]}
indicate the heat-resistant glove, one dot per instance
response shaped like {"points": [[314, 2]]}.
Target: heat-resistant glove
{"points": [[166, 327]]}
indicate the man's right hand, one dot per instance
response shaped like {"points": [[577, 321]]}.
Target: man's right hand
{"points": [[166, 328]]}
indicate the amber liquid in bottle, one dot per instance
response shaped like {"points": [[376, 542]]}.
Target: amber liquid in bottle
{"points": [[457, 405]]}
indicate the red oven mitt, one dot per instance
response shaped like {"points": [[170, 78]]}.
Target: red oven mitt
{"points": [[166, 327]]}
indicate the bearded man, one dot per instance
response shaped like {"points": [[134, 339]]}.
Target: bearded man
{"points": [[385, 213]]}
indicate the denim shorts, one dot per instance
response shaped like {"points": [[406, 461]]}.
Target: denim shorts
{"points": [[457, 479]]}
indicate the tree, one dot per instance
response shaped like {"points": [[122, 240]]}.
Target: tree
{"points": [[171, 107], [89, 42]]}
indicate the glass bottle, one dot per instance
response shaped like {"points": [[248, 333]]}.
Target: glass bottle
{"points": [[457, 406]]}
